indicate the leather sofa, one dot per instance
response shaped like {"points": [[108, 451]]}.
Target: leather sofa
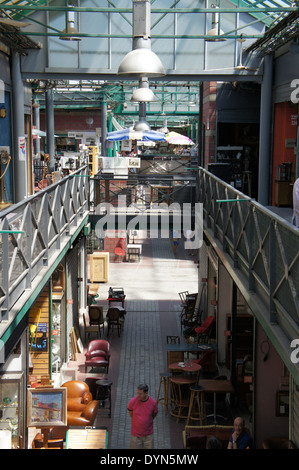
{"points": [[81, 408]]}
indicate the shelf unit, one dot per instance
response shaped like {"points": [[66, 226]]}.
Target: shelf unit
{"points": [[93, 161], [12, 405]]}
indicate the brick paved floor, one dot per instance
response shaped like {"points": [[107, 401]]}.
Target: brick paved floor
{"points": [[152, 302]]}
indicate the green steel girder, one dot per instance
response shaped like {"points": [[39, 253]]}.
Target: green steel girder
{"points": [[267, 12]]}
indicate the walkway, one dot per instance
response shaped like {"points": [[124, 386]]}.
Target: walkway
{"points": [[152, 302]]}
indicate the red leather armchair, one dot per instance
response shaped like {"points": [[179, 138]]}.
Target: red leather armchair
{"points": [[81, 408], [98, 354]]}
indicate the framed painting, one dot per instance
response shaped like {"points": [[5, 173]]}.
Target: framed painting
{"points": [[47, 407]]}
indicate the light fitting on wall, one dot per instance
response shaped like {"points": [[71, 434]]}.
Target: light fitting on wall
{"points": [[89, 121], [70, 28], [3, 112], [141, 61], [215, 31]]}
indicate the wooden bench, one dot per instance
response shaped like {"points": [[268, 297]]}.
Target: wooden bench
{"points": [[196, 437]]}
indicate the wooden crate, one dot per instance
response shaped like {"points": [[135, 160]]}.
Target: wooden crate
{"points": [[99, 267]]}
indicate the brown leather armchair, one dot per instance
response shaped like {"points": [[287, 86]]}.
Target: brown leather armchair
{"points": [[81, 408]]}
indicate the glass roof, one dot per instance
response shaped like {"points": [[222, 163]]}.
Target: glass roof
{"points": [[267, 11]]}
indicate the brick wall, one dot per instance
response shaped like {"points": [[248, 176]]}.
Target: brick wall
{"points": [[117, 238]]}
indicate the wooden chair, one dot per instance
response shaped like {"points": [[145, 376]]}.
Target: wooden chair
{"points": [[90, 329], [171, 339], [115, 319], [96, 316]]}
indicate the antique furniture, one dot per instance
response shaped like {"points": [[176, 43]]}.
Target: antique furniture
{"points": [[86, 439], [90, 329], [115, 318], [205, 329], [116, 295], [103, 393], [12, 401], [96, 316], [195, 437], [164, 383], [197, 406], [98, 354], [78, 395], [81, 408], [176, 352], [216, 386], [207, 362], [180, 394], [134, 250], [54, 440]]}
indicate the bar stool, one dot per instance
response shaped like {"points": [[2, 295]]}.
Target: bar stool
{"points": [[180, 393], [104, 392], [197, 397], [164, 382]]}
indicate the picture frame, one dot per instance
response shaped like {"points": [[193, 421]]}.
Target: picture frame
{"points": [[46, 407], [282, 403]]}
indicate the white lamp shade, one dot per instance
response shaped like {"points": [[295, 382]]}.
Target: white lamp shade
{"points": [[142, 63]]}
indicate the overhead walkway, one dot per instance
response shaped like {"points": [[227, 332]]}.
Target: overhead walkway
{"points": [[35, 236], [259, 249]]}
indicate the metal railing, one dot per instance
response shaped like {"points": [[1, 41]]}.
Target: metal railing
{"points": [[263, 247], [34, 231]]}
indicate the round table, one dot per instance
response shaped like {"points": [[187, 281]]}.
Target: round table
{"points": [[190, 367]]}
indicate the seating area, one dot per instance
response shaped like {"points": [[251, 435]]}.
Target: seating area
{"points": [[155, 325], [196, 437]]}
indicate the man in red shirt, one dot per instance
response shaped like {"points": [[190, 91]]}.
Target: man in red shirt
{"points": [[143, 409]]}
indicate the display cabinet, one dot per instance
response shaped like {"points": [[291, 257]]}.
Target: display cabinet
{"points": [[12, 405]]}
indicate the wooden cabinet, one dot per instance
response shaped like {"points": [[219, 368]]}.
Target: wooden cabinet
{"points": [[99, 267], [243, 339], [93, 165], [283, 193]]}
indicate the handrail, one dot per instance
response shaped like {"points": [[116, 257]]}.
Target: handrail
{"points": [[33, 231], [262, 246]]}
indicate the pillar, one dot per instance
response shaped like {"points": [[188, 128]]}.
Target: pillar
{"points": [[50, 128], [104, 129], [19, 144], [265, 132]]}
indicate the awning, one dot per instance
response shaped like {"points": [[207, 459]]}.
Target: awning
{"points": [[130, 134]]}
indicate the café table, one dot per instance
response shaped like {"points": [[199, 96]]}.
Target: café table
{"points": [[216, 386], [175, 352], [187, 366]]}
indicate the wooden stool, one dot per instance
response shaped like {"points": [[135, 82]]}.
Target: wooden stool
{"points": [[198, 412], [104, 392], [164, 382], [180, 385]]}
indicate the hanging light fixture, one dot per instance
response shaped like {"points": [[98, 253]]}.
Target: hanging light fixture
{"points": [[215, 31], [141, 61], [143, 93], [70, 28]]}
